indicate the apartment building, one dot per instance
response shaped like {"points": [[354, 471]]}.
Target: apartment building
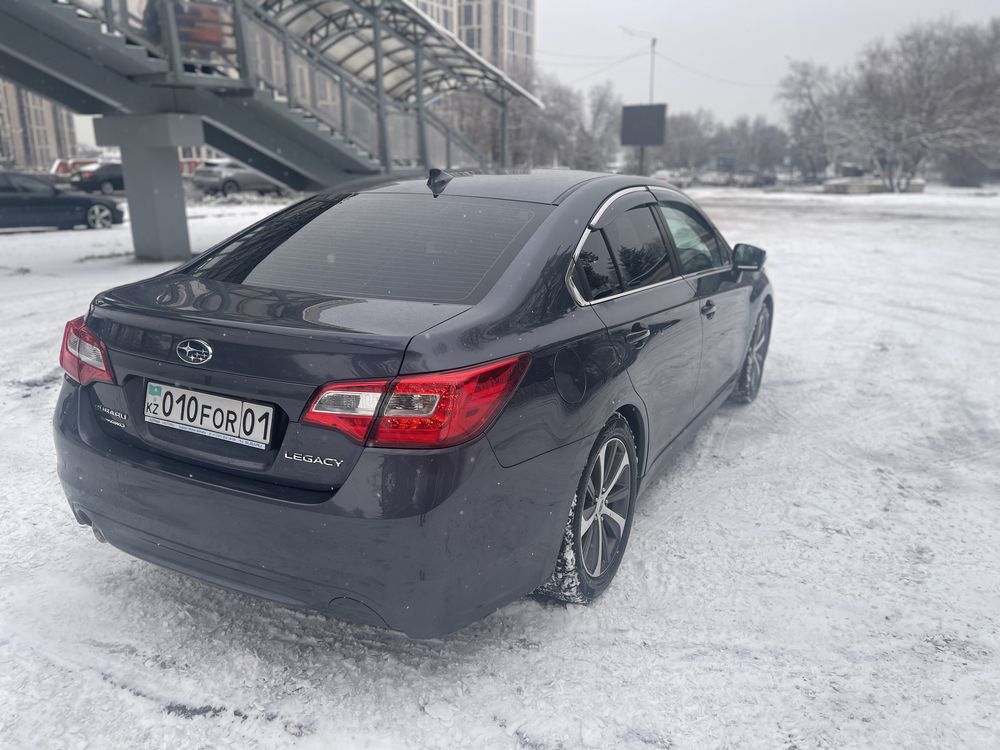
{"points": [[34, 131], [502, 31], [442, 11]]}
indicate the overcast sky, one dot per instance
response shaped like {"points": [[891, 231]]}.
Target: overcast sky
{"points": [[745, 42]]}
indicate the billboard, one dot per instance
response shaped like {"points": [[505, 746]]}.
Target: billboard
{"points": [[644, 124]]}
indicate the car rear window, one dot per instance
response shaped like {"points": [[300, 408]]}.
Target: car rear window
{"points": [[413, 247]]}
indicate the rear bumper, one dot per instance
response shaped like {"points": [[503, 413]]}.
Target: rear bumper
{"points": [[459, 536]]}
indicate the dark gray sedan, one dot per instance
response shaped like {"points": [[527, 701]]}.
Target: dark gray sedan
{"points": [[27, 201], [410, 405]]}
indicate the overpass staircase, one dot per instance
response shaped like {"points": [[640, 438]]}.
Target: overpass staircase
{"points": [[284, 110], [316, 94]]}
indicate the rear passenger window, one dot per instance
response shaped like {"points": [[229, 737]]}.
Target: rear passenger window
{"points": [[639, 249], [698, 247], [596, 276]]}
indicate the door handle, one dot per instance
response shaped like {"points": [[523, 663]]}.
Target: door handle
{"points": [[708, 310], [638, 335]]}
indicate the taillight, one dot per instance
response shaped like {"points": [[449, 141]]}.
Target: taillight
{"points": [[348, 407], [83, 355], [433, 410]]}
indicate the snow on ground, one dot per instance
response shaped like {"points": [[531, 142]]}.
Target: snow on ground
{"points": [[820, 569]]}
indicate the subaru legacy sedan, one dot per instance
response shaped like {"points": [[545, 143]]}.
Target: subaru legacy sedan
{"points": [[410, 405]]}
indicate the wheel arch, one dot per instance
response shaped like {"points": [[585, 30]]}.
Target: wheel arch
{"points": [[633, 416], [768, 302]]}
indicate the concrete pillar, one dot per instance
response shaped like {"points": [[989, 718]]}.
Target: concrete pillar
{"points": [[153, 184], [503, 134]]}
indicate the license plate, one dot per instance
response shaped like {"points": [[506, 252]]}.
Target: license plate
{"points": [[205, 414]]}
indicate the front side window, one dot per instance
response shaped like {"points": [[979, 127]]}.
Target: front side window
{"points": [[5, 186], [639, 249], [698, 247], [596, 277]]}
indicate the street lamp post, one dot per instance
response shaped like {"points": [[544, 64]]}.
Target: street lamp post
{"points": [[652, 77]]}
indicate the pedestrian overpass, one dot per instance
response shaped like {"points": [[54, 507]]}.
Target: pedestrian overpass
{"points": [[313, 93]]}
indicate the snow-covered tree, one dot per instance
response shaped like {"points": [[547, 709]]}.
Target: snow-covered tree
{"points": [[934, 91]]}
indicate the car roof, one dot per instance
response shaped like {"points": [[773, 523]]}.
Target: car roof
{"points": [[550, 186]]}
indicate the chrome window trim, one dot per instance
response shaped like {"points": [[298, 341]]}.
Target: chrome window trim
{"points": [[588, 230], [709, 272], [611, 199], [573, 291]]}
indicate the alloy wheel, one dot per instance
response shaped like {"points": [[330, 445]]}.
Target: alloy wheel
{"points": [[605, 508], [758, 350], [99, 217]]}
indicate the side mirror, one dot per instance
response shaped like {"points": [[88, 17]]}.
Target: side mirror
{"points": [[748, 258]]}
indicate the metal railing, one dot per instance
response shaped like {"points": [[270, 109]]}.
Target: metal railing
{"points": [[208, 42]]}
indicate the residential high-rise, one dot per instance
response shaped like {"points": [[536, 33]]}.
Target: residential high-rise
{"points": [[502, 31], [34, 131], [442, 11]]}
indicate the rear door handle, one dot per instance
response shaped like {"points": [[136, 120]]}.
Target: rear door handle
{"points": [[637, 336], [708, 310]]}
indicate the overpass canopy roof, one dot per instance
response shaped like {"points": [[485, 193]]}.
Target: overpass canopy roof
{"points": [[344, 32]]}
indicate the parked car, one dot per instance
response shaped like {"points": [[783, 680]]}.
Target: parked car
{"points": [[27, 201], [410, 410], [229, 177], [714, 179], [103, 177], [754, 179], [679, 178], [66, 167]]}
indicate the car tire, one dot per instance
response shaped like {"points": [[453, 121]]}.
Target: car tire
{"points": [[752, 372], [582, 573], [230, 187], [107, 187], [99, 216]]}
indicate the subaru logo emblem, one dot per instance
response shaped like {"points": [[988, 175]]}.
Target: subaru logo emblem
{"points": [[194, 351]]}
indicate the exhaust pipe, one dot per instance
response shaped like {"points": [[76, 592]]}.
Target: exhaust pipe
{"points": [[99, 535]]}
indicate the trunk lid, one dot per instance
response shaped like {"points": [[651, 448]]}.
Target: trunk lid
{"points": [[269, 347]]}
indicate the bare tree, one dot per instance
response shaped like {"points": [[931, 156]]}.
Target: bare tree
{"points": [[552, 132], [564, 133], [752, 144], [688, 140], [598, 136], [813, 98], [933, 91]]}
